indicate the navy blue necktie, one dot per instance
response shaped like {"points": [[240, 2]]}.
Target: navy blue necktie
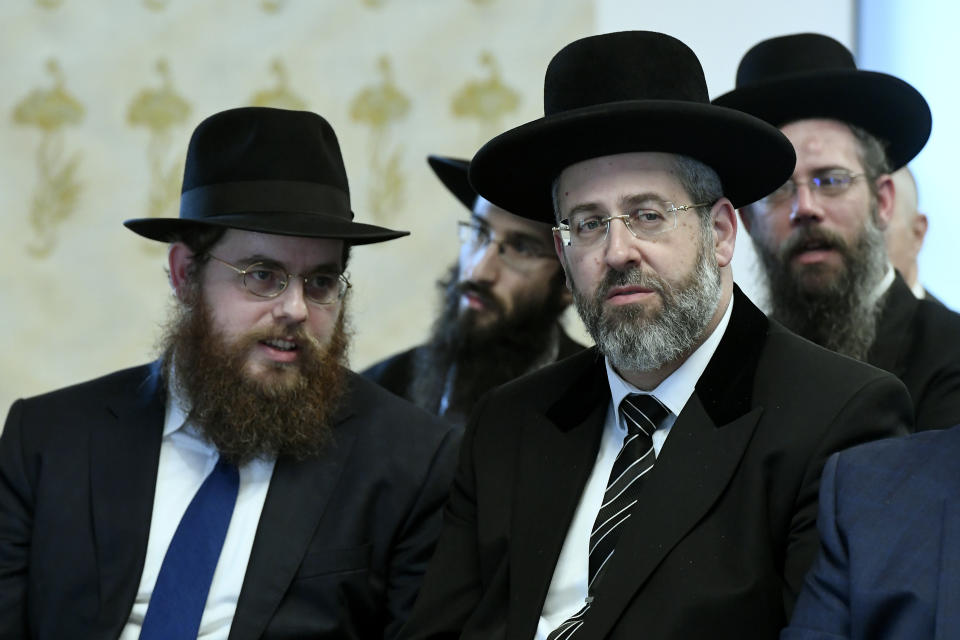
{"points": [[180, 594]]}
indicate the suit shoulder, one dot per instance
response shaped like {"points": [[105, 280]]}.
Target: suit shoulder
{"points": [[924, 453], [831, 368], [130, 380], [380, 406], [393, 373]]}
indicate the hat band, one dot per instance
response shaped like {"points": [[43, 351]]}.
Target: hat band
{"points": [[225, 198]]}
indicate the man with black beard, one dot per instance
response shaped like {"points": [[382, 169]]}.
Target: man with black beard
{"points": [[664, 483], [820, 236], [247, 484], [501, 305]]}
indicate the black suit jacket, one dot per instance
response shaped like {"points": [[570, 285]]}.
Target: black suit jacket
{"points": [[339, 551], [396, 372], [728, 511], [919, 342]]}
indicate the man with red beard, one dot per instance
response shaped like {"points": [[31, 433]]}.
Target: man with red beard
{"points": [[664, 483], [247, 485], [820, 235], [502, 302]]}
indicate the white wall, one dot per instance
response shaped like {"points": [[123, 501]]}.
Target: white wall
{"points": [[720, 33], [917, 41]]}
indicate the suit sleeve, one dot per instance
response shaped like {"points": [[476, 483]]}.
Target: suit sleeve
{"points": [[415, 545], [823, 607], [16, 527], [880, 409], [452, 586]]}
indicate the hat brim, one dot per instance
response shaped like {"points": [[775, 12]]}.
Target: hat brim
{"points": [[310, 225], [516, 169], [881, 104], [452, 172]]}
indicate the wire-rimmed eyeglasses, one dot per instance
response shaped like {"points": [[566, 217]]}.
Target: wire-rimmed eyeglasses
{"points": [[266, 280], [587, 228], [830, 183], [517, 251]]}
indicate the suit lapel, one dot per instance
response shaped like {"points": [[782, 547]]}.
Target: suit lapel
{"points": [[695, 465], [890, 345], [693, 469], [557, 454], [124, 454], [298, 495]]}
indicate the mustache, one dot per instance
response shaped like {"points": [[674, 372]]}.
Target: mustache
{"points": [[632, 277], [482, 291], [807, 238], [305, 342]]}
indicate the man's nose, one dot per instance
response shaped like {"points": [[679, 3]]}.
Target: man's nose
{"points": [[292, 303], [805, 206], [485, 265]]}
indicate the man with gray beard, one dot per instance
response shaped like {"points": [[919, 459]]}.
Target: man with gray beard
{"points": [[247, 484], [820, 236], [662, 484]]}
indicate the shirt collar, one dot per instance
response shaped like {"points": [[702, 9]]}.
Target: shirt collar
{"points": [[884, 284], [677, 388], [177, 407]]}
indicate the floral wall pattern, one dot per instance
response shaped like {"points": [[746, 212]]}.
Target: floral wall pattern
{"points": [[99, 102]]}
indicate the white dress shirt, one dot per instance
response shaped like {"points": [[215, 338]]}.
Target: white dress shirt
{"points": [[568, 588], [186, 459]]}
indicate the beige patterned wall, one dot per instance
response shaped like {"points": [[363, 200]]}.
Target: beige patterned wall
{"points": [[98, 102]]}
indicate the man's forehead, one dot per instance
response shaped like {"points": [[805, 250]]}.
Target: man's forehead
{"points": [[502, 221], [286, 249], [822, 140], [607, 176]]}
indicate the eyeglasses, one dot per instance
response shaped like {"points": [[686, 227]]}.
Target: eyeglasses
{"points": [[268, 281], [517, 251], [586, 229], [829, 183]]}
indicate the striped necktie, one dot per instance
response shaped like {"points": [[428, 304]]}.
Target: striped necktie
{"points": [[642, 415]]}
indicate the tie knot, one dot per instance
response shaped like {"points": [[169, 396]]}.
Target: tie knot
{"points": [[644, 412]]}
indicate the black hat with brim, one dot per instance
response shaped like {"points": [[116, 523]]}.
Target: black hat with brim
{"points": [[453, 174], [811, 76], [266, 170], [633, 91]]}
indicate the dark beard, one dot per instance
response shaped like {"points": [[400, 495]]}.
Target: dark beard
{"points": [[637, 340], [247, 418], [834, 310], [479, 358]]}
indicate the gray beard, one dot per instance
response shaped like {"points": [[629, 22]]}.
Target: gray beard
{"points": [[839, 313], [635, 339]]}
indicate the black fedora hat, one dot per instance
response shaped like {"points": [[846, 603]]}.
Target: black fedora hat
{"points": [[267, 170], [810, 75], [631, 91], [453, 174]]}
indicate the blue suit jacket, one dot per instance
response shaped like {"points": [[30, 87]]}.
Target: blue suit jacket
{"points": [[889, 525]]}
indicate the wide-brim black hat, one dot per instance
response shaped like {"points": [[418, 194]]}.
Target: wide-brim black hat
{"points": [[632, 91], [453, 174], [809, 75], [268, 170]]}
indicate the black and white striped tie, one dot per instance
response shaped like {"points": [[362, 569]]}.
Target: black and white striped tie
{"points": [[642, 414]]}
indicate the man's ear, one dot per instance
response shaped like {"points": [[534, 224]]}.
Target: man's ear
{"points": [[724, 218], [886, 193], [180, 260]]}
